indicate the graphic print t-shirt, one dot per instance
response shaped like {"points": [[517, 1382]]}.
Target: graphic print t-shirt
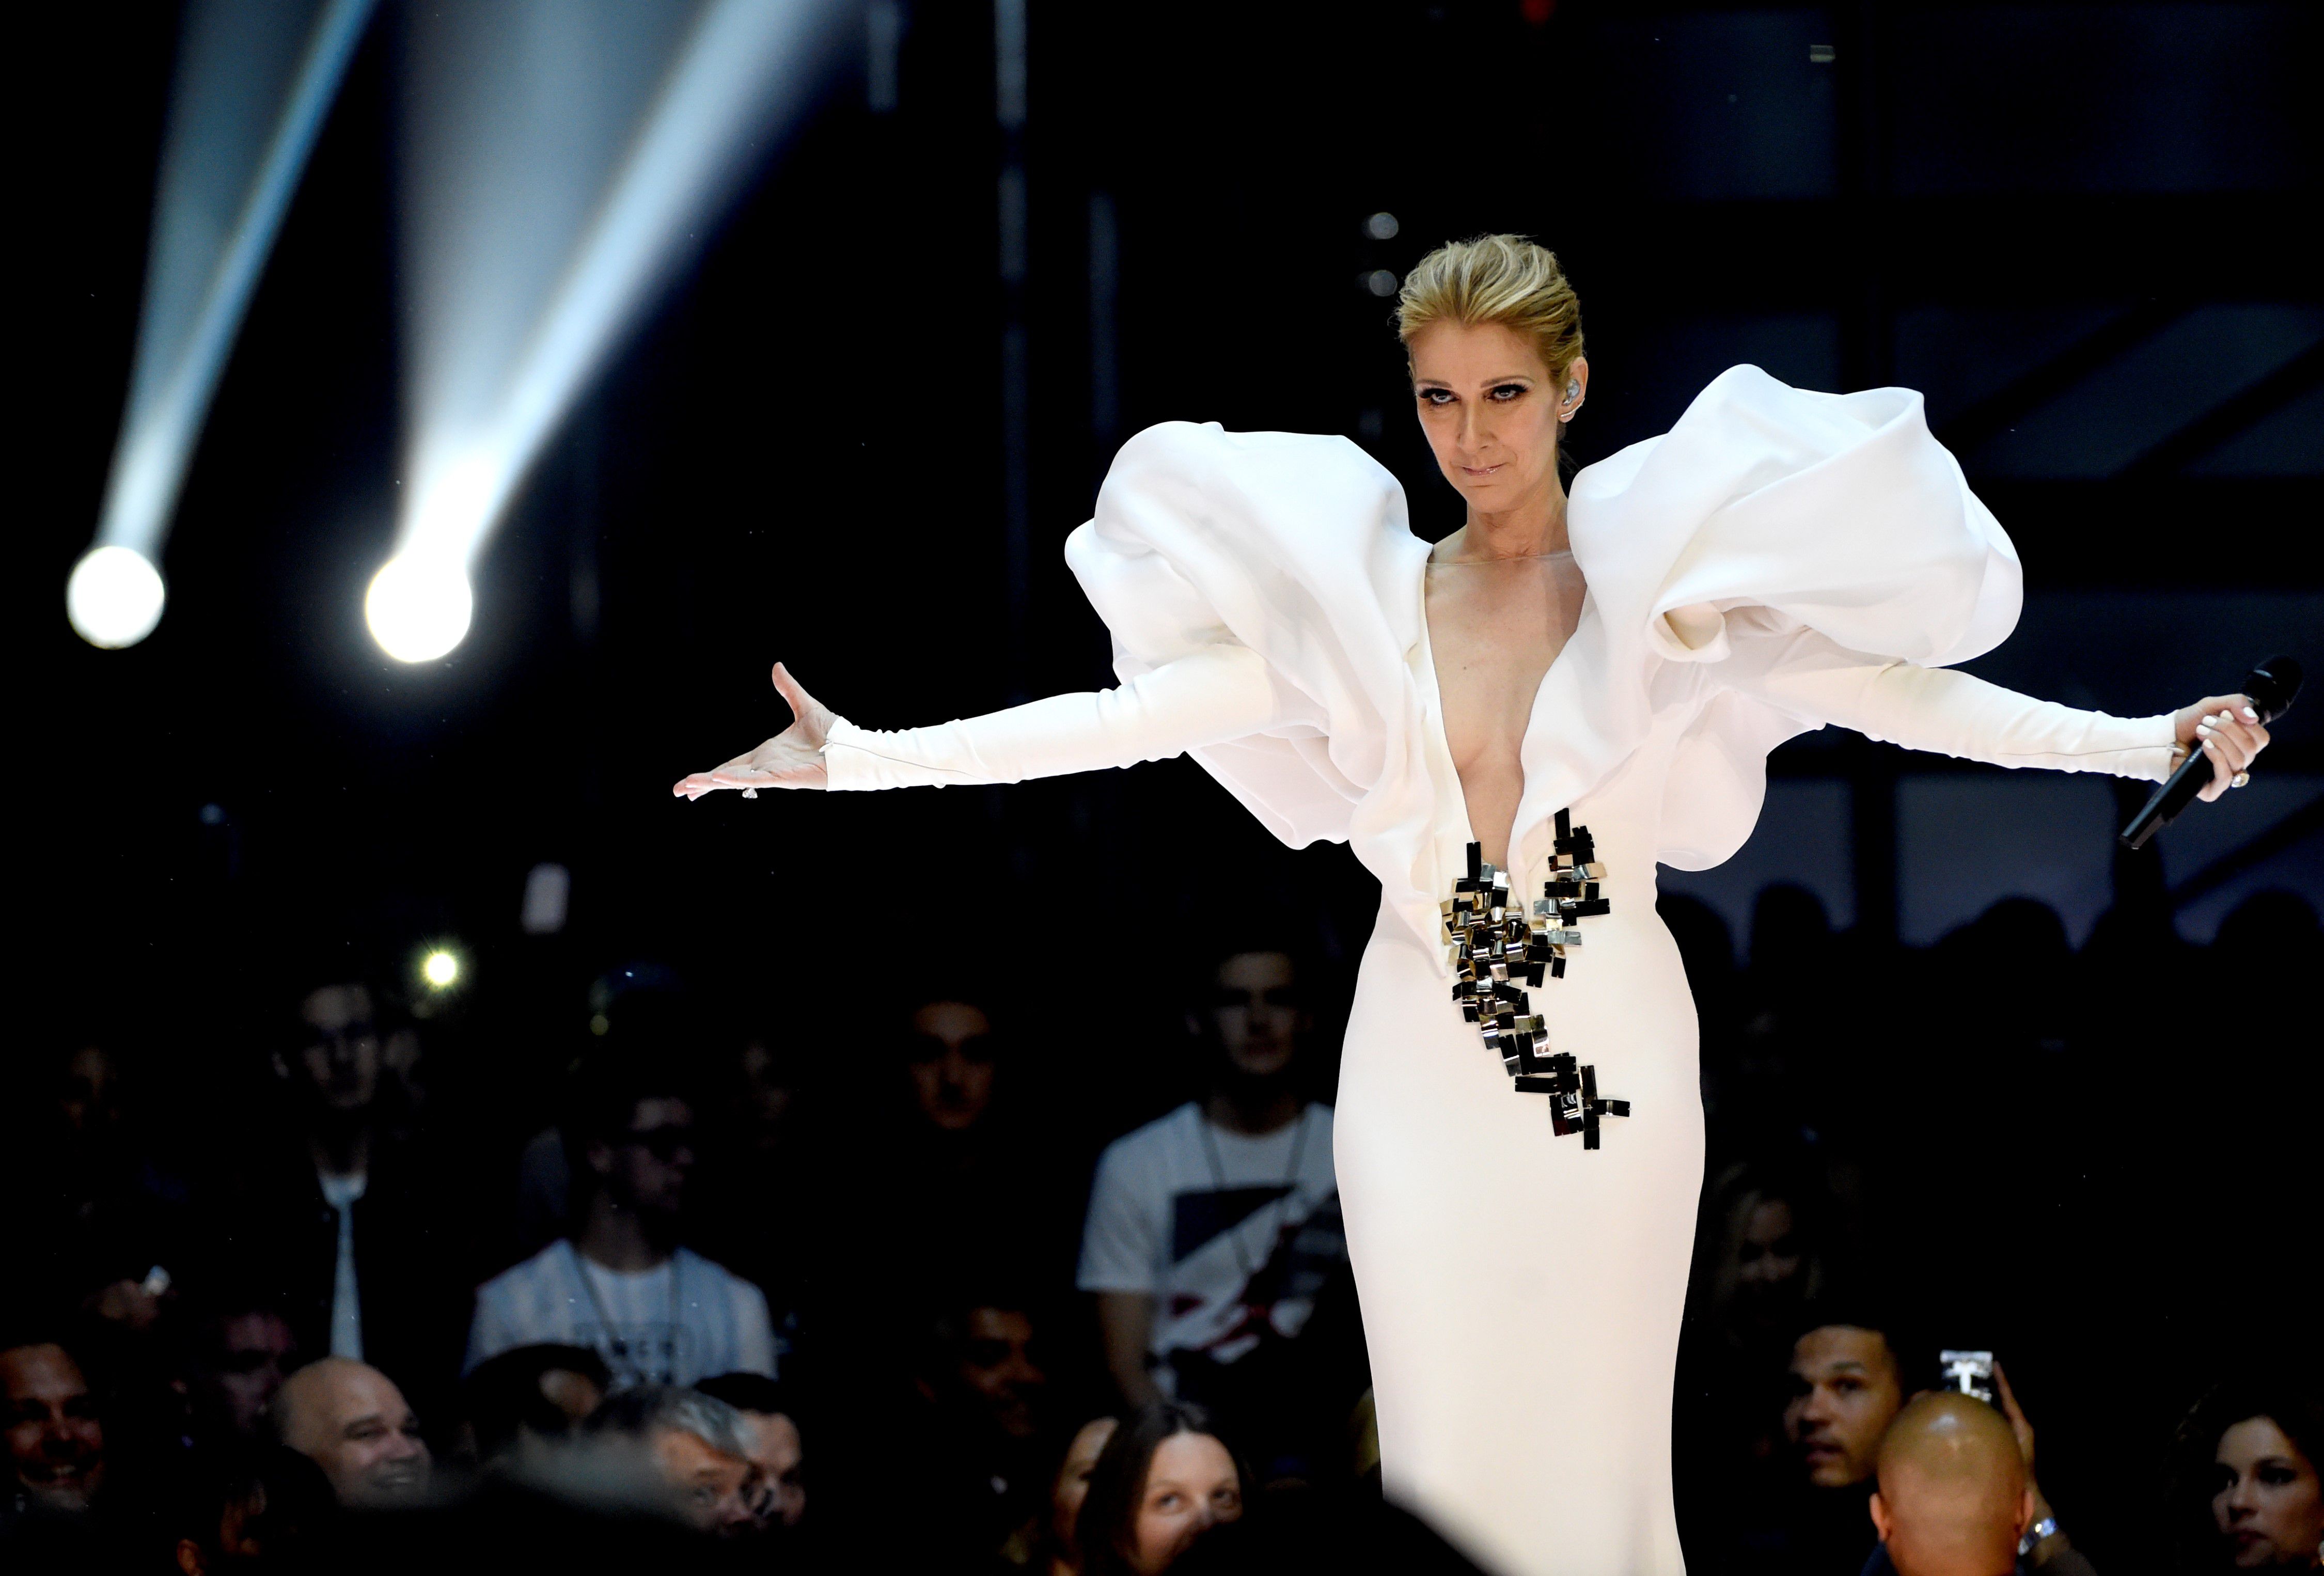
{"points": [[687, 1320], [1217, 1228]]}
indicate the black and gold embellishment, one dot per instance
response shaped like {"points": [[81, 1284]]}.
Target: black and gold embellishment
{"points": [[1492, 945]]}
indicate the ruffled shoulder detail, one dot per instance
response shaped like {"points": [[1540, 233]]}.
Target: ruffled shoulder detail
{"points": [[1295, 546], [1839, 512]]}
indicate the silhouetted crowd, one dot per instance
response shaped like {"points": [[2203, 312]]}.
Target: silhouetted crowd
{"points": [[694, 1307]]}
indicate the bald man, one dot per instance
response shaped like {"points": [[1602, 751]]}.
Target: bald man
{"points": [[1953, 1499], [349, 1419]]}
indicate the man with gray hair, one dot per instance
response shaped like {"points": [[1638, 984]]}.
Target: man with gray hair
{"points": [[694, 1448]]}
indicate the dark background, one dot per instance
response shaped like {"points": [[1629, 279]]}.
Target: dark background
{"points": [[2077, 228]]}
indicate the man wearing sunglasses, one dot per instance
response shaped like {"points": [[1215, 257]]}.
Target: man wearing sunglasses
{"points": [[657, 1311]]}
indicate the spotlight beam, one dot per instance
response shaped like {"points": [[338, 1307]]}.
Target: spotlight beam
{"points": [[735, 78], [181, 352]]}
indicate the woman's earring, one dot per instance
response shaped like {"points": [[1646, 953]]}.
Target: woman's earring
{"points": [[1573, 393]]}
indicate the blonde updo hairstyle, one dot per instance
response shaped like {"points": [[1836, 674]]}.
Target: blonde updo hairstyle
{"points": [[1495, 279]]}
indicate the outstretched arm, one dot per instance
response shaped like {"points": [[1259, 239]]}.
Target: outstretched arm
{"points": [[1950, 712], [1218, 692]]}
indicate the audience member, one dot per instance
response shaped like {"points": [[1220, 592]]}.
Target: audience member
{"points": [[1758, 1261], [776, 1448], [244, 1506], [978, 1438], [335, 1199], [1847, 1385], [56, 1437], [956, 1176], [527, 1398], [2249, 1498], [657, 1311], [697, 1448], [349, 1419], [1761, 1262], [1807, 1514], [637, 1002], [1060, 1553], [1163, 1480], [1212, 1231], [1953, 1499], [240, 1349], [96, 1213]]}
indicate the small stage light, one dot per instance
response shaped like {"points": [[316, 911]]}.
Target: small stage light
{"points": [[440, 968], [114, 597], [418, 608]]}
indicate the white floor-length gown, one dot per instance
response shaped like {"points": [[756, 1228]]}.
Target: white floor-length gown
{"points": [[1779, 560]]}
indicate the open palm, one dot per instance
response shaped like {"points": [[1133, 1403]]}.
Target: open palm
{"points": [[792, 759]]}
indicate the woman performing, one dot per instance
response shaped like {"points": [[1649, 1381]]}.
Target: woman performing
{"points": [[1510, 730]]}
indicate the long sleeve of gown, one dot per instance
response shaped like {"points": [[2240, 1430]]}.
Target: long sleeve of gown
{"points": [[1810, 677], [1218, 692]]}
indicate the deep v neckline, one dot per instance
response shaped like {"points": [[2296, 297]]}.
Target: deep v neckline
{"points": [[1443, 740]]}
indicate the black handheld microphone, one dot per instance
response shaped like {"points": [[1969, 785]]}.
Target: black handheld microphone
{"points": [[2270, 688]]}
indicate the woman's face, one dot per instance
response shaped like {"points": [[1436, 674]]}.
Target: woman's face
{"points": [[1191, 1486], [1071, 1486], [2268, 1506], [1490, 412]]}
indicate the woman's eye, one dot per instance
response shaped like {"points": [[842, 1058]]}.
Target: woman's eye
{"points": [[2275, 1476], [1435, 396], [1509, 391]]}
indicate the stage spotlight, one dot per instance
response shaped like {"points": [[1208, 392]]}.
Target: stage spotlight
{"points": [[563, 159], [254, 84], [442, 969], [114, 597], [418, 608]]}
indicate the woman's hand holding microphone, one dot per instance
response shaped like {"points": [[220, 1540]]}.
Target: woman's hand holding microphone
{"points": [[2227, 729]]}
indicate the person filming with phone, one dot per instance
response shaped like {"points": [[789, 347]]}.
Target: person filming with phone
{"points": [[1956, 1494]]}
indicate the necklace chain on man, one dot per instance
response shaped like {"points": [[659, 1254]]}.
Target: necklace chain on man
{"points": [[605, 1318], [1219, 1175]]}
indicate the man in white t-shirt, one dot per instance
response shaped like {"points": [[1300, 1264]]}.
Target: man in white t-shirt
{"points": [[657, 1312], [1212, 1231]]}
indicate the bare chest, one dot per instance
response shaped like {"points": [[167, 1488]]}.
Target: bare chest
{"points": [[1494, 629]]}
